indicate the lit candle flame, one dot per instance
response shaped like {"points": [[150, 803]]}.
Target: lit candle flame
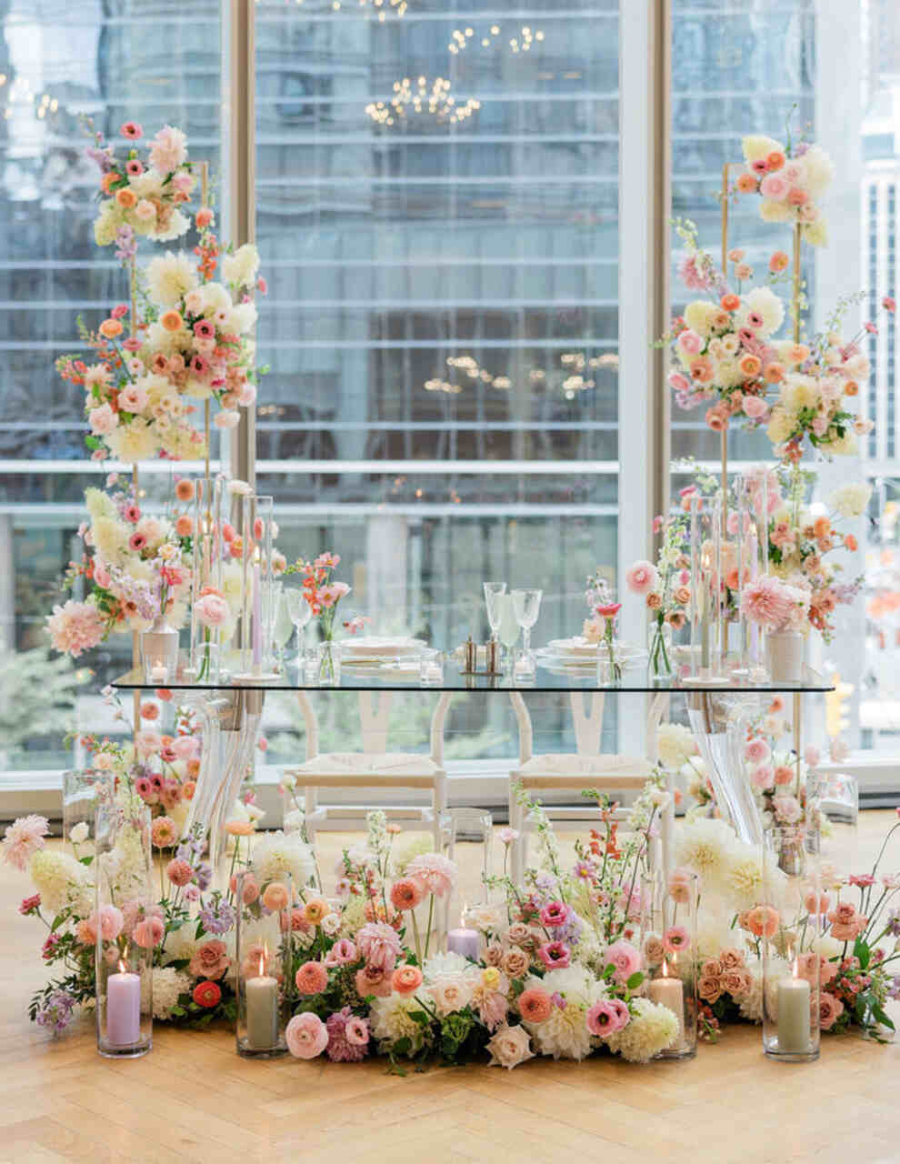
{"points": [[665, 969], [123, 968], [262, 965]]}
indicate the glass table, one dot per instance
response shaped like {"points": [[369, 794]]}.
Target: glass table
{"points": [[718, 709]]}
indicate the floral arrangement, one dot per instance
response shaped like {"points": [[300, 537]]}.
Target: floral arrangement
{"points": [[322, 592], [788, 178], [602, 629], [664, 587], [142, 197], [775, 605]]}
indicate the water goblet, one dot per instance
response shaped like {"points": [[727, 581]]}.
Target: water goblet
{"points": [[528, 606], [300, 613], [508, 629]]}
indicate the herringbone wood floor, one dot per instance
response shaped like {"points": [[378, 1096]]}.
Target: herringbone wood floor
{"points": [[193, 1099]]}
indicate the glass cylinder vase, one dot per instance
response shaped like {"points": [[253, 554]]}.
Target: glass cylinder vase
{"points": [[83, 790], [264, 947], [328, 664], [787, 924], [660, 667], [669, 947], [159, 652], [128, 925]]}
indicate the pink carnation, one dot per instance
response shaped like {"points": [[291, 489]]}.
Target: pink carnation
{"points": [[75, 628]]}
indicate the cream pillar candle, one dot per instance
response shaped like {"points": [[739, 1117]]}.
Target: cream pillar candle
{"points": [[669, 992], [793, 1016], [262, 1012]]}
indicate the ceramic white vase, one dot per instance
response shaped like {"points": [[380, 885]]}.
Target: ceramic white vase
{"points": [[784, 651]]}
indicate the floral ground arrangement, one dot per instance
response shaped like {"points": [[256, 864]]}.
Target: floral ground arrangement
{"points": [[564, 959]]}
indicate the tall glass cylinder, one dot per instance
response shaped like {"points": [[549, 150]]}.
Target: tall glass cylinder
{"points": [[128, 925], [256, 557], [787, 924], [669, 947], [83, 790], [743, 528], [715, 588], [698, 608], [206, 641], [264, 946]]}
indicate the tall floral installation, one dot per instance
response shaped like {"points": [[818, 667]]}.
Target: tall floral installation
{"points": [[574, 961]]}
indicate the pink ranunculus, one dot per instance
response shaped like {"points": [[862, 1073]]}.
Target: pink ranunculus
{"points": [[763, 777], [212, 610], [625, 959], [755, 407], [186, 747], [690, 343], [148, 932], [102, 420], [679, 382], [311, 978], [306, 1036], [757, 751], [775, 187], [342, 953], [641, 578]]}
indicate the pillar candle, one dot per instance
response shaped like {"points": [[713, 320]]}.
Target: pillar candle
{"points": [[262, 1012], [669, 992], [793, 1016], [257, 618], [464, 941], [123, 1008]]}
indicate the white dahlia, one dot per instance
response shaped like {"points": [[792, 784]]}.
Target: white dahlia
{"points": [[652, 1028], [170, 277]]}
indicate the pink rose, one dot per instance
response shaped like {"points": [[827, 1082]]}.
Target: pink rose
{"points": [[641, 578], [306, 1036], [774, 186], [763, 777], [212, 610], [690, 343], [830, 1010], [102, 420], [755, 407], [757, 751], [210, 960]]}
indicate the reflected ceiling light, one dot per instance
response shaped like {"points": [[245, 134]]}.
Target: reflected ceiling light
{"points": [[418, 98], [20, 93], [519, 41]]}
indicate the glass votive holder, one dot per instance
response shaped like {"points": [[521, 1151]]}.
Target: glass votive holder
{"points": [[206, 663], [264, 947], [669, 949], [787, 924], [431, 667], [524, 668], [83, 790], [328, 664], [127, 925], [159, 653]]}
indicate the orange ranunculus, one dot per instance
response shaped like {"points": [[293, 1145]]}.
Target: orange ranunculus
{"points": [[106, 182], [730, 302], [750, 365], [171, 320], [778, 262], [775, 160], [747, 184], [184, 489], [821, 527], [240, 828], [797, 353], [851, 543], [851, 388], [774, 373], [126, 198], [110, 328]]}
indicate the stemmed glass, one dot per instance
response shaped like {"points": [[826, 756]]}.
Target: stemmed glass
{"points": [[493, 591], [300, 612], [528, 606], [508, 629]]}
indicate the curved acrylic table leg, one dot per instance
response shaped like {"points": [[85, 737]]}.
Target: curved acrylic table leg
{"points": [[230, 721], [719, 725]]}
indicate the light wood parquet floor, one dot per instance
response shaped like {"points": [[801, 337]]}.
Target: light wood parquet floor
{"points": [[193, 1099]]}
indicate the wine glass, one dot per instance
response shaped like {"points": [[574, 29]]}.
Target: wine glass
{"points": [[493, 591], [528, 606], [300, 612], [508, 629], [281, 624]]}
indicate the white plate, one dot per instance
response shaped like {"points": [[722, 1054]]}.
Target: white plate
{"points": [[373, 647], [578, 647]]}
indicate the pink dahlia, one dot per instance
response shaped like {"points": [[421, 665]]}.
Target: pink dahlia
{"points": [[434, 873], [771, 603], [379, 945], [23, 838], [75, 628]]}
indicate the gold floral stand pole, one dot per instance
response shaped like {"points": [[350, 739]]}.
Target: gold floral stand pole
{"points": [[135, 635]]}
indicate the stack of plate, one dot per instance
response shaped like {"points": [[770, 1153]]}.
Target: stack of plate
{"points": [[579, 652], [375, 649]]}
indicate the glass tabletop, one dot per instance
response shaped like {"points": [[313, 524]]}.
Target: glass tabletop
{"points": [[400, 677]]}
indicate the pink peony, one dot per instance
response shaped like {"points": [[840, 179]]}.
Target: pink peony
{"points": [[149, 932], [690, 343], [169, 150], [212, 610], [75, 627], [133, 398], [23, 838], [102, 420], [625, 959], [434, 873], [757, 751], [755, 407], [763, 777], [641, 578], [306, 1036]]}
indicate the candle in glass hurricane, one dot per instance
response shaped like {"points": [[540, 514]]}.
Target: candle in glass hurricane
{"points": [[123, 1007], [793, 1015], [669, 992], [464, 941], [262, 1009]]}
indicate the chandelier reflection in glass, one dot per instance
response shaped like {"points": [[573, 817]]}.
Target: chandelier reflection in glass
{"points": [[418, 98]]}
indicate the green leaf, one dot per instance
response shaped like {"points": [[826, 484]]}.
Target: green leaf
{"points": [[178, 1011], [402, 1047], [635, 980], [420, 1017]]}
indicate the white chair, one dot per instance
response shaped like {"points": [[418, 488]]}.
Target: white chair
{"points": [[585, 768], [375, 768]]}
